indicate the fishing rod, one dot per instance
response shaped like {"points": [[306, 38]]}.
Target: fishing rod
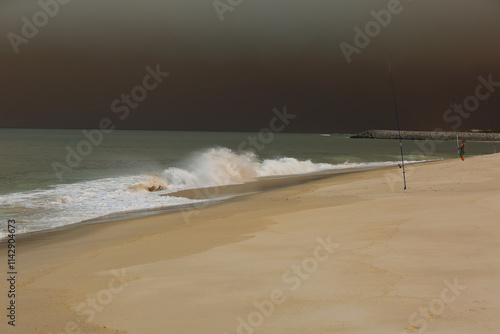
{"points": [[397, 121], [458, 143]]}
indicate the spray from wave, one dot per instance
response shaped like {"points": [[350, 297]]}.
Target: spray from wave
{"points": [[64, 204], [222, 166]]}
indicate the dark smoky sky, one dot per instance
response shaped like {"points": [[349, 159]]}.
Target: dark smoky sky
{"points": [[228, 75]]}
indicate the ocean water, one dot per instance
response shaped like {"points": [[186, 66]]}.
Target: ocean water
{"points": [[116, 173]]}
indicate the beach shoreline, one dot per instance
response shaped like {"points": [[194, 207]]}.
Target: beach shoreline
{"points": [[207, 196], [397, 251]]}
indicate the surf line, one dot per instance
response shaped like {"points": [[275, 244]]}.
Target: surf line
{"points": [[402, 165]]}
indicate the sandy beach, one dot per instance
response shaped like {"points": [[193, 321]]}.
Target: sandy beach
{"points": [[347, 254]]}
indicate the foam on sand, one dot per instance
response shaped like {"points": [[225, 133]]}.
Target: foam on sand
{"points": [[64, 204]]}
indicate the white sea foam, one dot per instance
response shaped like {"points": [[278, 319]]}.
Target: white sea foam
{"points": [[221, 166], [70, 203]]}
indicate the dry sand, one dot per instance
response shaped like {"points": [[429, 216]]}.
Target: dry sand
{"points": [[348, 254]]}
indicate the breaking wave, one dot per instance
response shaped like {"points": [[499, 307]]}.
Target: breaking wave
{"points": [[64, 204], [222, 166]]}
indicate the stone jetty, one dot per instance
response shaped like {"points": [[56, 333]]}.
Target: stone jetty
{"points": [[427, 135]]}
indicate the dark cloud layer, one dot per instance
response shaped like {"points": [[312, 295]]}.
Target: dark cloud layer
{"points": [[229, 75]]}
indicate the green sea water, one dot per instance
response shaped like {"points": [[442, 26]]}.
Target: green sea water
{"points": [[51, 178]]}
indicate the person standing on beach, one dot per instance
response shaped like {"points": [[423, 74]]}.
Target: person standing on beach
{"points": [[462, 149]]}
